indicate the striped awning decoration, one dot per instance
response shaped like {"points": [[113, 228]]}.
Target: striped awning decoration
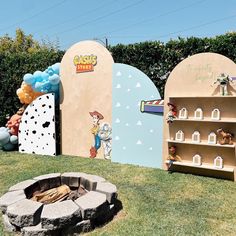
{"points": [[152, 106]]}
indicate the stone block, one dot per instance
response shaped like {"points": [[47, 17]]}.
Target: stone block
{"points": [[24, 213], [88, 183], [11, 197], [95, 178], [109, 189], [37, 230], [92, 204], [44, 184], [48, 176], [72, 179], [60, 214], [31, 189], [49, 181], [22, 185]]}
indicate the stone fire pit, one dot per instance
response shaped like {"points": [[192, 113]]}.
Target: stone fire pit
{"points": [[20, 213]]}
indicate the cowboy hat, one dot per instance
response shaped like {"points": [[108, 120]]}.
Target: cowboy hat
{"points": [[170, 104], [95, 113]]}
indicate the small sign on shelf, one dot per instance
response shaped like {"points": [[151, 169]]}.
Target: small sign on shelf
{"points": [[179, 136], [183, 113], [215, 114], [212, 138], [198, 114], [218, 162], [197, 160], [196, 137]]}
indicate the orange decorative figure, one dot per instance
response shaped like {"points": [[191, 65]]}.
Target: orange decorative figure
{"points": [[14, 122], [172, 157], [226, 137]]}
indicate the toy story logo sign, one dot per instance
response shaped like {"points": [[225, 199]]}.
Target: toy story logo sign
{"points": [[85, 63]]}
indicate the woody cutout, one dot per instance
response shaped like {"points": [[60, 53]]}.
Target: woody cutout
{"points": [[95, 129]]}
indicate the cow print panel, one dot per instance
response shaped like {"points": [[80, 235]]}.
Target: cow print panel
{"points": [[37, 129]]}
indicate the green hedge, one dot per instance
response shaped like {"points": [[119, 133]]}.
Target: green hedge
{"points": [[13, 66], [155, 59]]}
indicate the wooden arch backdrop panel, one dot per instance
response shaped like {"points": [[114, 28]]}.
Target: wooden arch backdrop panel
{"points": [[193, 85], [86, 86]]}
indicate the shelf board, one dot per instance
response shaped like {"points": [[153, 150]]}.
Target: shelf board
{"points": [[217, 96], [229, 120], [201, 143], [203, 166]]}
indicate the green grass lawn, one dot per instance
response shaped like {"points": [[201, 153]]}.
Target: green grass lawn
{"points": [[154, 202]]}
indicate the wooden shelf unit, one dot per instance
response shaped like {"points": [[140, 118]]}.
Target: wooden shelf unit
{"points": [[202, 143], [206, 166], [205, 126], [208, 119], [192, 85]]}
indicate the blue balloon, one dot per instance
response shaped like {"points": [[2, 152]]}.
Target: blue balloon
{"points": [[46, 87], [29, 79], [14, 139], [38, 76], [38, 86], [46, 81], [3, 129], [54, 79], [45, 76], [4, 137], [8, 147], [56, 68], [50, 71], [54, 88]]}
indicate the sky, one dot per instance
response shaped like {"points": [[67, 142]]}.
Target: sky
{"points": [[119, 21]]}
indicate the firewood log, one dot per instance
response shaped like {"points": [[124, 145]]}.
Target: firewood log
{"points": [[52, 195]]}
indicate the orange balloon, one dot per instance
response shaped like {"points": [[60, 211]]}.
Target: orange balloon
{"points": [[26, 94], [27, 88]]}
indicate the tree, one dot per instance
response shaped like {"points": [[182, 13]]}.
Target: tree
{"points": [[23, 43], [18, 56]]}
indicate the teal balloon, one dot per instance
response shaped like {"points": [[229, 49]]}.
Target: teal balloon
{"points": [[54, 88], [46, 87], [50, 71], [54, 79], [45, 76], [38, 76], [8, 147], [56, 68], [29, 79], [3, 129], [14, 139], [4, 137], [38, 86]]}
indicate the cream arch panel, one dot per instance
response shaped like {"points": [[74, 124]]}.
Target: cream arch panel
{"points": [[195, 75], [192, 85], [84, 92]]}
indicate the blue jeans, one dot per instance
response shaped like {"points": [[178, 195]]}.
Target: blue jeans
{"points": [[97, 142]]}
